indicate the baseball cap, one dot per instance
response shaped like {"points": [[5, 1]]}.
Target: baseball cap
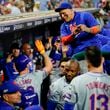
{"points": [[21, 62], [63, 5], [55, 39], [9, 87], [14, 46], [34, 107]]}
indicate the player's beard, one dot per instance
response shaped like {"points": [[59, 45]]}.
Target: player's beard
{"points": [[68, 78]]}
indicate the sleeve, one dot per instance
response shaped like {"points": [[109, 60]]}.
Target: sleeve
{"points": [[66, 35], [54, 92], [90, 20], [40, 74], [53, 96], [69, 94], [64, 31], [10, 72], [70, 98], [69, 53], [29, 98]]}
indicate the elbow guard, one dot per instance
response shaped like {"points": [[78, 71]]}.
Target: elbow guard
{"points": [[67, 39]]}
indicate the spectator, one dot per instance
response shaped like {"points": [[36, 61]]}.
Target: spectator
{"points": [[49, 5], [32, 81], [104, 5], [29, 5], [55, 98], [21, 5], [104, 12], [10, 95], [93, 85], [86, 4], [77, 3], [14, 9], [43, 5], [4, 10], [80, 29]]}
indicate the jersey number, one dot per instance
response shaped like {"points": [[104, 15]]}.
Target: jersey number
{"points": [[103, 99]]}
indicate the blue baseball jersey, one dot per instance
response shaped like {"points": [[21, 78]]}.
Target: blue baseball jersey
{"points": [[5, 106], [92, 91], [8, 69], [28, 98], [83, 39], [79, 18]]}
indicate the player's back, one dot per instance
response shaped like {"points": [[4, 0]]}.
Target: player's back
{"points": [[93, 91]]}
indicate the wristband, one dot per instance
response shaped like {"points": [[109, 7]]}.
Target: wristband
{"points": [[94, 30]]}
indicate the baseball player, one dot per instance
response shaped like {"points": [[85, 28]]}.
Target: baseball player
{"points": [[7, 64], [55, 96], [10, 95], [60, 71], [32, 81], [80, 29], [90, 91]]}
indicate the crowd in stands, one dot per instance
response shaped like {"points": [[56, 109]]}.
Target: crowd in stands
{"points": [[44, 77], [21, 6]]}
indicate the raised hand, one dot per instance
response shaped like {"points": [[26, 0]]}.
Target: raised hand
{"points": [[39, 46]]}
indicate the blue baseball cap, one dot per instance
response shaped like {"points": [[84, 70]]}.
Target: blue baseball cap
{"points": [[55, 39], [34, 107], [63, 5], [21, 62], [9, 87]]}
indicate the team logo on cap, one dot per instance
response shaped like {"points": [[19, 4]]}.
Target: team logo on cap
{"points": [[5, 91]]}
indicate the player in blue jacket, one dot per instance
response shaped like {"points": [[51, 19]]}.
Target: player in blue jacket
{"points": [[7, 64]]}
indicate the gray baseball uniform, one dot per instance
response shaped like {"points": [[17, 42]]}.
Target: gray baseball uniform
{"points": [[93, 91], [32, 81], [55, 92]]}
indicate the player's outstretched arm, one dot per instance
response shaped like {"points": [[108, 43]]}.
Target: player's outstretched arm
{"points": [[47, 61]]}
